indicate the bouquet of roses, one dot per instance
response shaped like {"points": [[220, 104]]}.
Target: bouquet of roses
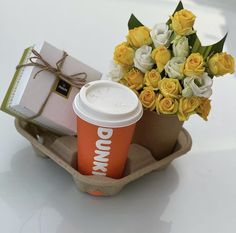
{"points": [[168, 68]]}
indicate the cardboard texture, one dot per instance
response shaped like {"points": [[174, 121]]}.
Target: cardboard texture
{"points": [[66, 148], [158, 133], [139, 159]]}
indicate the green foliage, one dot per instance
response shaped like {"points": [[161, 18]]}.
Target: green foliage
{"points": [[194, 41], [178, 8], [208, 50], [134, 22]]}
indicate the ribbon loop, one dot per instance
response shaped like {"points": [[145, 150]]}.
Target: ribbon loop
{"points": [[76, 80]]}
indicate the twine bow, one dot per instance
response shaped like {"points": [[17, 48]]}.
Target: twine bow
{"points": [[75, 80]]}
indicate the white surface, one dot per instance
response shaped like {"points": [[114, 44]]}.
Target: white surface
{"points": [[108, 104], [196, 194]]}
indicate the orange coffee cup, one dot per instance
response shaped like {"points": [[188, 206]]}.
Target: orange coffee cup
{"points": [[107, 112]]}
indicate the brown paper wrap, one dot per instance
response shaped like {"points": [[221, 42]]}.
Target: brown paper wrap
{"points": [[158, 133], [105, 185]]}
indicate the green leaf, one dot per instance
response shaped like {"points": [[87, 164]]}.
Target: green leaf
{"points": [[207, 50], [173, 37], [178, 8], [214, 48], [134, 22], [194, 42], [192, 38]]}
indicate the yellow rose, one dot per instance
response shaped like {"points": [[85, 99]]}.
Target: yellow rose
{"points": [[152, 78], [204, 109], [187, 107], [148, 98], [124, 54], [221, 64], [194, 65], [139, 36], [170, 87], [182, 22], [134, 79], [161, 55], [166, 105]]}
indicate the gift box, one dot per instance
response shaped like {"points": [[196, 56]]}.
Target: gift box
{"points": [[44, 86]]}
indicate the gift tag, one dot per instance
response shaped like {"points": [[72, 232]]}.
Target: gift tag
{"points": [[62, 88]]}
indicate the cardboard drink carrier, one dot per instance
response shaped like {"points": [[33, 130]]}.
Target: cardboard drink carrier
{"points": [[143, 156], [54, 78]]}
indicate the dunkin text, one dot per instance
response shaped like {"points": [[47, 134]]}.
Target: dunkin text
{"points": [[102, 151]]}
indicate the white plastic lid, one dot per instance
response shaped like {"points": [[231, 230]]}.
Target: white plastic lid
{"points": [[108, 104]]}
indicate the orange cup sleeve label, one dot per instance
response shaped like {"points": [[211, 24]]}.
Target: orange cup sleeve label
{"points": [[101, 150]]}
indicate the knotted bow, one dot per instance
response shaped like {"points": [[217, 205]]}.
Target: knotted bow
{"points": [[75, 80]]}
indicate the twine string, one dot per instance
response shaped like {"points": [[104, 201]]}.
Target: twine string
{"points": [[76, 80]]}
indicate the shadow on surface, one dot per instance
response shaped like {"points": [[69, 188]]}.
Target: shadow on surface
{"points": [[38, 190], [138, 208]]}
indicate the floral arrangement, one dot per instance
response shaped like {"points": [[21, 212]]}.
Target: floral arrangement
{"points": [[168, 68]]}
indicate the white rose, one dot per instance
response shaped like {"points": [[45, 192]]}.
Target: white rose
{"points": [[142, 58], [181, 46], [160, 35], [198, 86], [116, 73], [174, 67]]}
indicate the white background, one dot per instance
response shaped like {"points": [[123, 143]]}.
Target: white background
{"points": [[196, 194]]}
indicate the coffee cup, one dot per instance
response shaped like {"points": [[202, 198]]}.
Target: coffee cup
{"points": [[106, 116]]}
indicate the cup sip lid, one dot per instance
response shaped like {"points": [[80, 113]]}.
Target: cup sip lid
{"points": [[108, 104]]}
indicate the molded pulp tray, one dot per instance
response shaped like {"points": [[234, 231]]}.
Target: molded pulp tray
{"points": [[100, 185]]}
